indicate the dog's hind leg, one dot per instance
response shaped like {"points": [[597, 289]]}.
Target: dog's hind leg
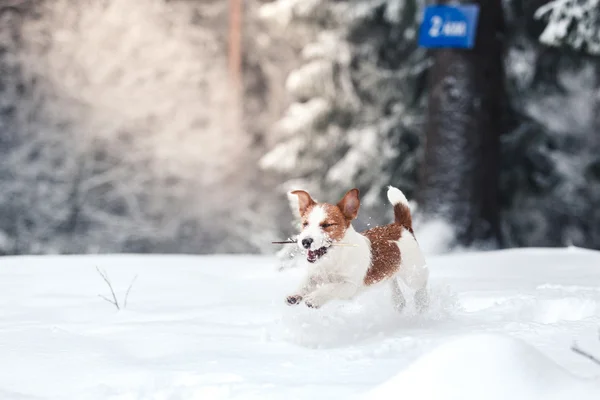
{"points": [[422, 299], [413, 270], [421, 292], [397, 296]]}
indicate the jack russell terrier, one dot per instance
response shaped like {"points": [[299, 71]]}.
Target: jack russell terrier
{"points": [[344, 262]]}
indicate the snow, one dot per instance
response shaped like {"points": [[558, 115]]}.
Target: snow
{"points": [[312, 80], [216, 327], [282, 12], [514, 370], [436, 235], [573, 22]]}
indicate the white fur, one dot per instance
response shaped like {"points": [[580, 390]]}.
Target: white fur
{"points": [[413, 268], [340, 273], [413, 271], [314, 230], [395, 196]]}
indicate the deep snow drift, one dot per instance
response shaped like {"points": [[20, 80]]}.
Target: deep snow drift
{"points": [[217, 328], [485, 366]]}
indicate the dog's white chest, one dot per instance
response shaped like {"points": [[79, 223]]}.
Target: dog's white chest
{"points": [[345, 263]]}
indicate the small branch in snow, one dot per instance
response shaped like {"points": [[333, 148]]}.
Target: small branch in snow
{"points": [[114, 300], [584, 353], [128, 289]]}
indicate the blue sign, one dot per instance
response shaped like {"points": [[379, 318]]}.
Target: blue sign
{"points": [[449, 26]]}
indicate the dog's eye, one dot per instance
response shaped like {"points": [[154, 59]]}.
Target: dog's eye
{"points": [[304, 224], [327, 225]]}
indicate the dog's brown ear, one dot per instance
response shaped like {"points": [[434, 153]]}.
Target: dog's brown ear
{"points": [[304, 201], [350, 204]]}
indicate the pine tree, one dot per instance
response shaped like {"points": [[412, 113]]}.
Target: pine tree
{"points": [[357, 100], [574, 23], [549, 179], [550, 169]]}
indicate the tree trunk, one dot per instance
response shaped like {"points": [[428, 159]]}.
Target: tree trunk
{"points": [[459, 175]]}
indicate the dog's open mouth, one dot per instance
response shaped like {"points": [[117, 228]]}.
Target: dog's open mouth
{"points": [[314, 255]]}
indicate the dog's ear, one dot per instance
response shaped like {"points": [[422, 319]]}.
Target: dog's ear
{"points": [[293, 202], [350, 204], [304, 200]]}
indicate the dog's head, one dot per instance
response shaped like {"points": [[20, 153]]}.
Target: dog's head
{"points": [[324, 223]]}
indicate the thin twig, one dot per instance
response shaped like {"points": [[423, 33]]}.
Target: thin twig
{"points": [[109, 300], [332, 244], [105, 277], [128, 289], [585, 354]]}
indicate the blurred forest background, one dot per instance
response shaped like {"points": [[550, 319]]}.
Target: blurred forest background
{"points": [[121, 129]]}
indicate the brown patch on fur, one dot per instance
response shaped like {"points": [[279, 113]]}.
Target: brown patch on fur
{"points": [[336, 231], [350, 204], [335, 223], [385, 254], [304, 215], [403, 216], [305, 202]]}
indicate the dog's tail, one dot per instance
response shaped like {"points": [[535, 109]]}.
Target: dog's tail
{"points": [[402, 214]]}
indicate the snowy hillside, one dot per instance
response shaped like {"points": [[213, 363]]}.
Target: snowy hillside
{"points": [[216, 327]]}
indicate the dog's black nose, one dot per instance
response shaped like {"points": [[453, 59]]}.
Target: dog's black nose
{"points": [[306, 242]]}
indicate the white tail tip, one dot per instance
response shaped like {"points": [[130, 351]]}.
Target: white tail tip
{"points": [[395, 196]]}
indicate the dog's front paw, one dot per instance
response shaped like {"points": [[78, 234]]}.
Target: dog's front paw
{"points": [[314, 301], [293, 300], [311, 305]]}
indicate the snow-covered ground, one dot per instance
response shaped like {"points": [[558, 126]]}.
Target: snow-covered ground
{"points": [[216, 327]]}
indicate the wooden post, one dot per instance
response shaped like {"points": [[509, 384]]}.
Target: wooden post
{"points": [[235, 44], [235, 91]]}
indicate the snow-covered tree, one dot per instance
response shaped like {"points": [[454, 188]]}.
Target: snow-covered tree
{"points": [[549, 181], [115, 130], [329, 137], [357, 99], [116, 133], [575, 23]]}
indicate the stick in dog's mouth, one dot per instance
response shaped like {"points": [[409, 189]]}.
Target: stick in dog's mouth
{"points": [[332, 244]]}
